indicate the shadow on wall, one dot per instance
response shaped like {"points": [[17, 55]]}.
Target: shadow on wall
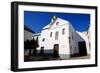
{"points": [[31, 46], [81, 45]]}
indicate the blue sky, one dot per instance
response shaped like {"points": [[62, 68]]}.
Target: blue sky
{"points": [[37, 20]]}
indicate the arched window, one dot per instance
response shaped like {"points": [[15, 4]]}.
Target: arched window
{"points": [[57, 23], [56, 35], [51, 34], [43, 39], [63, 31]]}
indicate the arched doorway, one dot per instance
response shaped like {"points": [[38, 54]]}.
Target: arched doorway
{"points": [[56, 50]]}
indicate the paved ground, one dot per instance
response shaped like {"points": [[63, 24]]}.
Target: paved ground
{"points": [[48, 58], [82, 57]]}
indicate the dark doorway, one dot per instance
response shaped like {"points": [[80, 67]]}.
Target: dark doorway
{"points": [[56, 50], [82, 48], [42, 51]]}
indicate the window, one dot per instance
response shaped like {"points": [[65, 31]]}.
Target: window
{"points": [[89, 45], [63, 31], [51, 34], [57, 23], [36, 38], [69, 40], [72, 36], [56, 35], [43, 39]]}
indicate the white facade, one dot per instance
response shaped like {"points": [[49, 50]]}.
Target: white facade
{"points": [[61, 33]]}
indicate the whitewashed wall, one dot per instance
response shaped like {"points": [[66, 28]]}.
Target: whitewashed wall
{"points": [[73, 43], [63, 40]]}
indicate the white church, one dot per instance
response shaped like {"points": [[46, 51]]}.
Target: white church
{"points": [[59, 37]]}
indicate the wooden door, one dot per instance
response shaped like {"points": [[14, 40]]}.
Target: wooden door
{"points": [[56, 50]]}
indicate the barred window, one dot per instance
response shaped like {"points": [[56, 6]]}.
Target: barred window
{"points": [[51, 34], [56, 35], [63, 31], [72, 36]]}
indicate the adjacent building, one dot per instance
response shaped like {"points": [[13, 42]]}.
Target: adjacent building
{"points": [[28, 36], [28, 33]]}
